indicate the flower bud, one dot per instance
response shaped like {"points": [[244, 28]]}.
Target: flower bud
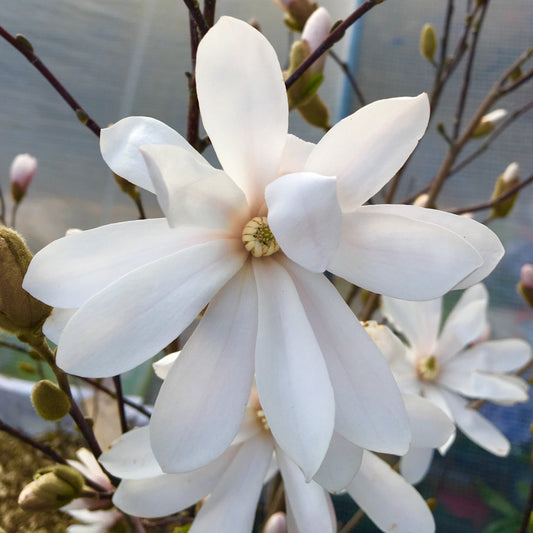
{"points": [[428, 42], [488, 122], [505, 182], [127, 187], [22, 171], [315, 112], [277, 523], [20, 313], [421, 200], [316, 29], [52, 489], [525, 285], [49, 401], [296, 12]]}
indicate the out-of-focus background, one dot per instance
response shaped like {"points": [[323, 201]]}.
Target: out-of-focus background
{"points": [[129, 57]]}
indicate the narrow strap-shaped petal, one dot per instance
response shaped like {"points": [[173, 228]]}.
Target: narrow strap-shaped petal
{"points": [[367, 148], [340, 465], [388, 499], [415, 464], [401, 257], [138, 315], [305, 217], [131, 456], [169, 493], [475, 426], [418, 321], [243, 103], [233, 502], [70, 270], [368, 406], [291, 375], [120, 145], [309, 503], [192, 192], [483, 239], [465, 324], [201, 404]]}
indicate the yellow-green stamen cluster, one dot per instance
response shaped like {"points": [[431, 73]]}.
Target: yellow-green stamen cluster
{"points": [[258, 238], [427, 368], [262, 419]]}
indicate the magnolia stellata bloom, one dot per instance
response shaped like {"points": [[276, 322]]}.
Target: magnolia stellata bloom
{"points": [[252, 240], [234, 480], [453, 367]]}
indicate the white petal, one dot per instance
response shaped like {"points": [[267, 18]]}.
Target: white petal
{"points": [[169, 493], [504, 355], [55, 323], [388, 499], [431, 427], [401, 257], [294, 155], [120, 145], [368, 407], [232, 504], [131, 456], [316, 29], [291, 375], [70, 270], [415, 464], [192, 192], [465, 323], [138, 315], [243, 103], [367, 148], [162, 366], [310, 504], [477, 428], [340, 464], [305, 217], [418, 321], [485, 386], [201, 404], [484, 240]]}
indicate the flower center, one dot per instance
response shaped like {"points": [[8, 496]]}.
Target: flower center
{"points": [[427, 368], [260, 414], [258, 238]]}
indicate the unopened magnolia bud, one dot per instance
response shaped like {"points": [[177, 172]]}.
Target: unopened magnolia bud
{"points": [[82, 115], [277, 523], [52, 490], [428, 42], [505, 182], [421, 200], [316, 29], [49, 401], [525, 285], [488, 122], [315, 112], [432, 503], [24, 41], [29, 368], [20, 313], [21, 173], [515, 74], [297, 12], [127, 187], [254, 23]]}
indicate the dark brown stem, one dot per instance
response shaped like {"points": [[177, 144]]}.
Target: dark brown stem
{"points": [[94, 383], [209, 11], [349, 76], [54, 82], [197, 16], [331, 39], [193, 112], [496, 201], [2, 208], [120, 404]]}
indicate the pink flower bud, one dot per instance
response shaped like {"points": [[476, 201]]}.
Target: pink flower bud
{"points": [[277, 523], [526, 275], [22, 171]]}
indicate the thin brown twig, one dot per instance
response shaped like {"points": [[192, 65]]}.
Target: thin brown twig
{"points": [[193, 109], [120, 404], [54, 82], [209, 11], [331, 39], [354, 520], [349, 76], [198, 17]]}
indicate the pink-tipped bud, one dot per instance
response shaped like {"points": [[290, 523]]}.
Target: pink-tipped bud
{"points": [[525, 285], [488, 122], [22, 170], [277, 523]]}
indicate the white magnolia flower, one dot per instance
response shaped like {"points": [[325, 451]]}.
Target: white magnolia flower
{"points": [[138, 284], [453, 367]]}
